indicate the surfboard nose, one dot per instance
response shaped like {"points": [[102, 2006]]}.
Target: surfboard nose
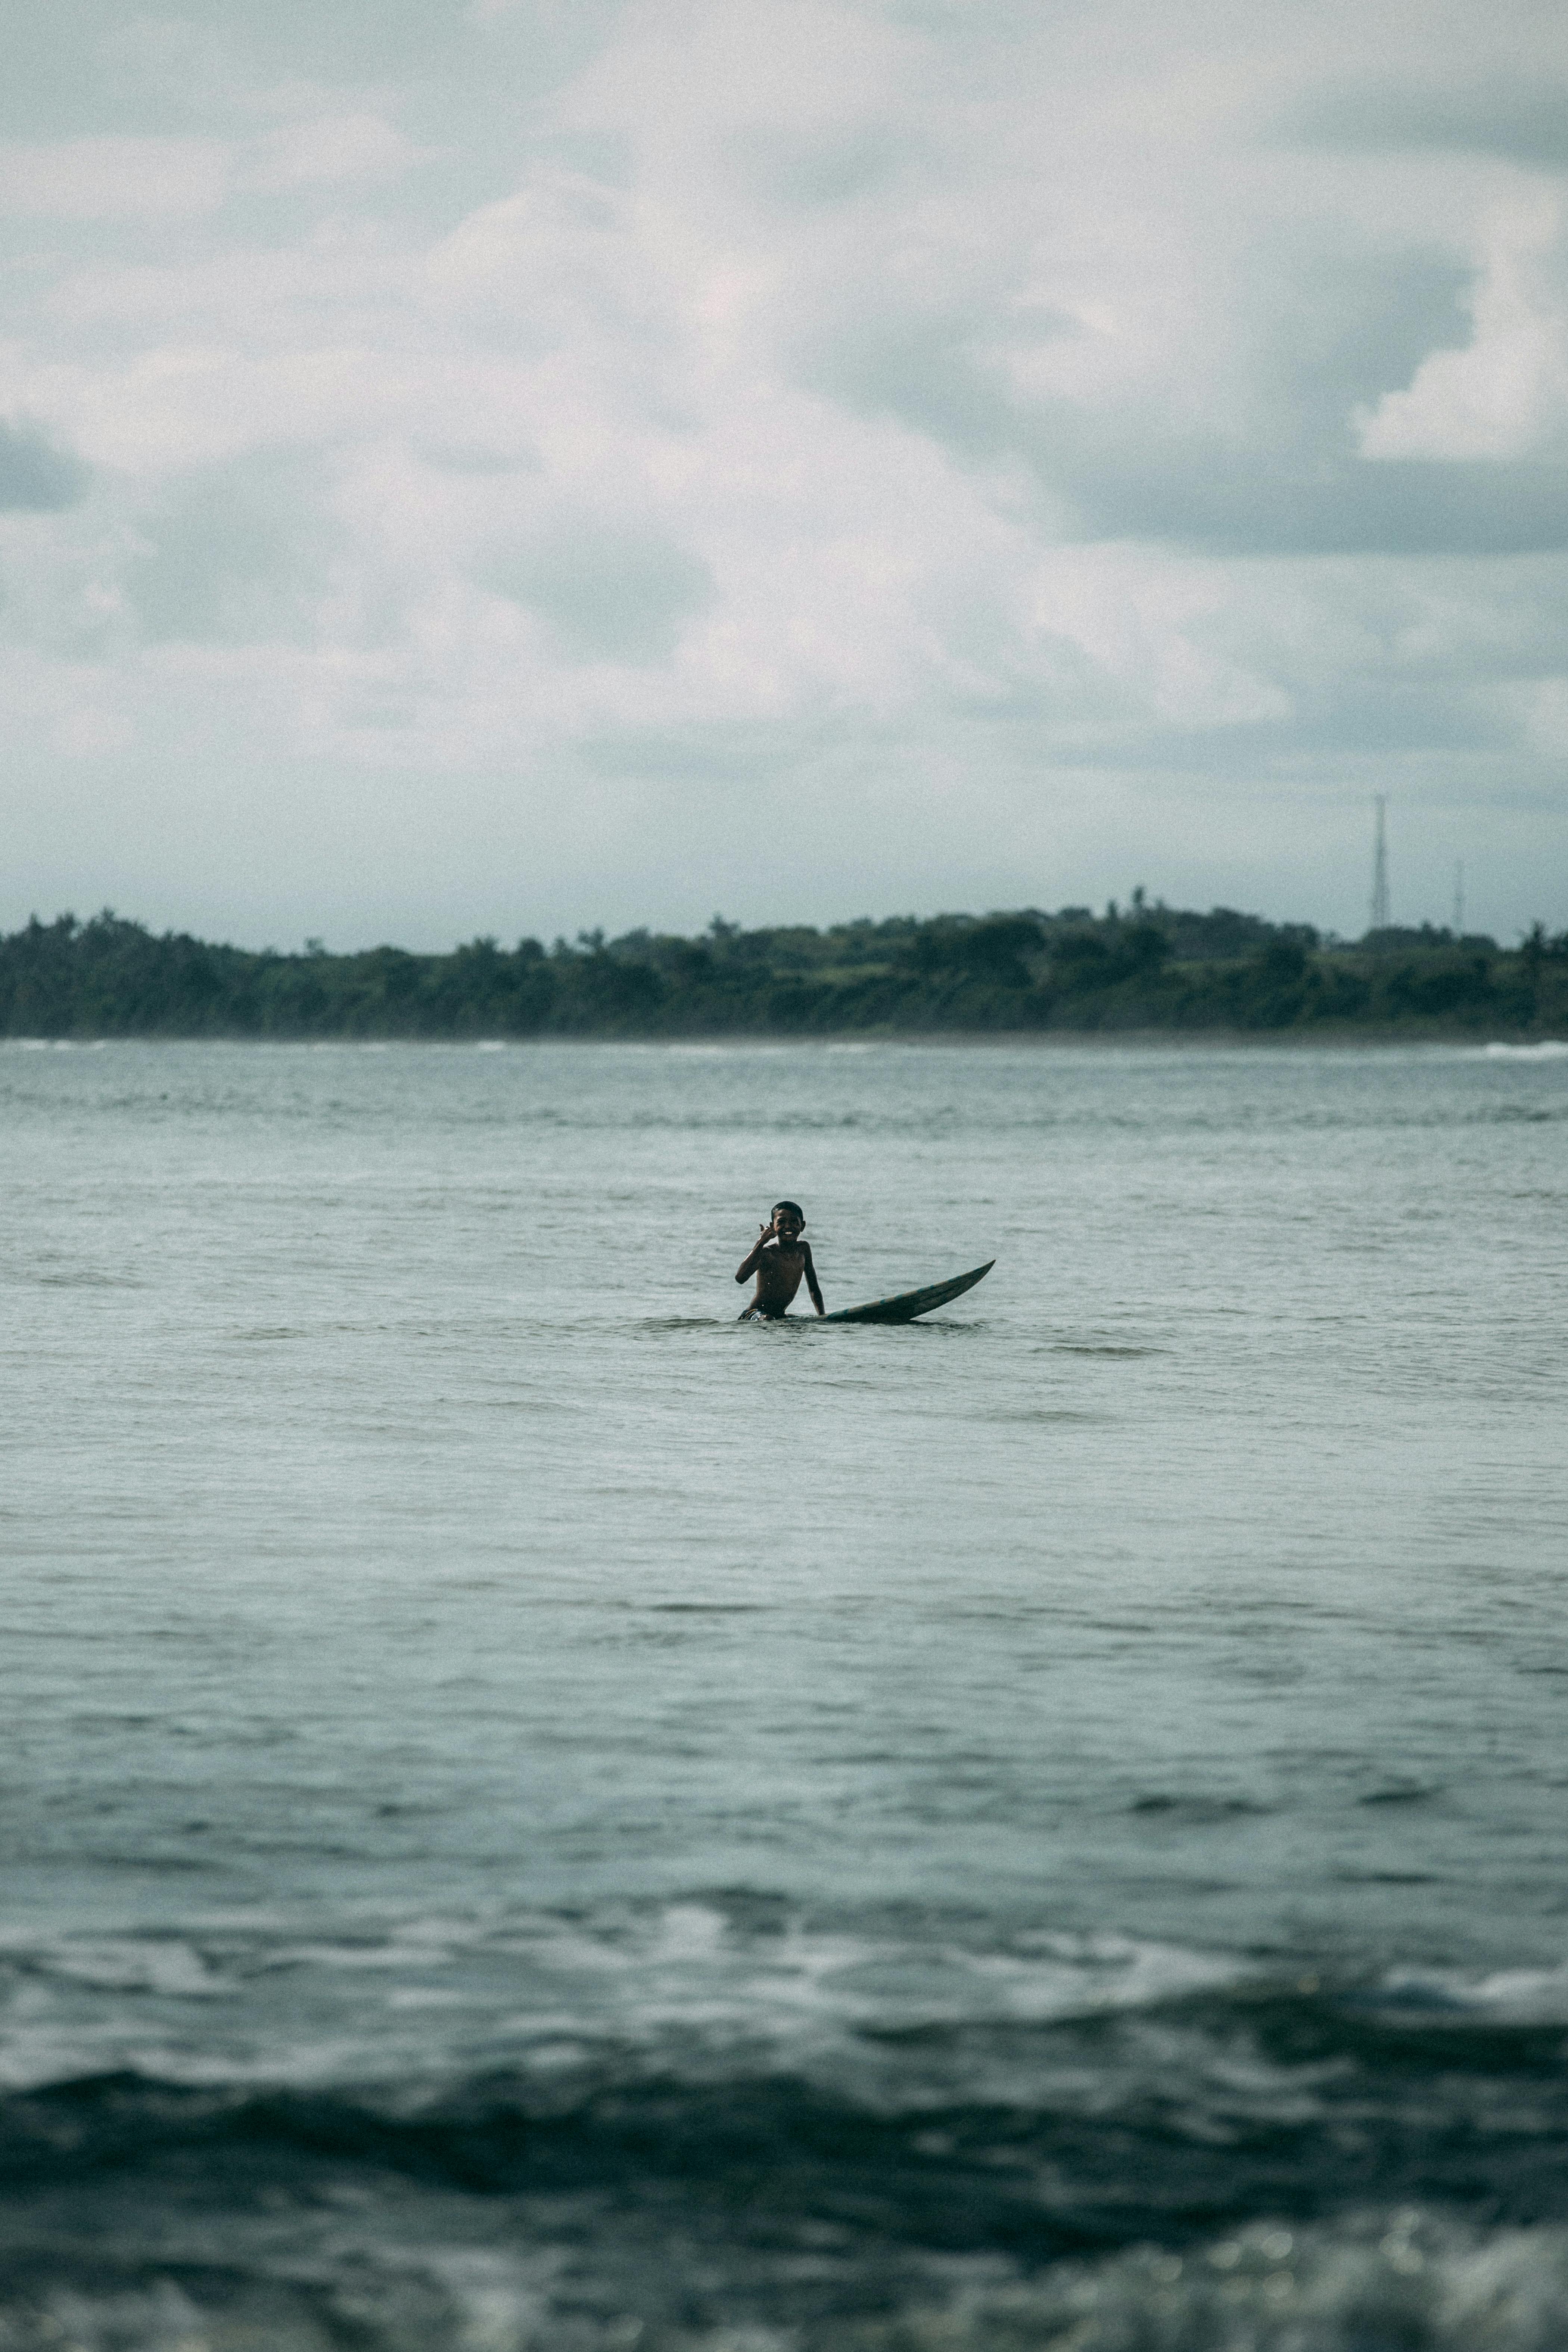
{"points": [[905, 1305]]}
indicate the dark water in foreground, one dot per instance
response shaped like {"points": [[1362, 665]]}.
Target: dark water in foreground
{"points": [[536, 1815]]}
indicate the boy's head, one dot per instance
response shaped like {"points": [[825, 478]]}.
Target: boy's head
{"points": [[789, 1215]]}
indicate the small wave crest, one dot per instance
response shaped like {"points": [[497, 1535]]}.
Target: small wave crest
{"points": [[896, 2013], [1518, 1997], [1021, 2116], [1404, 2278], [704, 1983]]}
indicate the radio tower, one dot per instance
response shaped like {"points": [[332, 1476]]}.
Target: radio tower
{"points": [[1459, 898], [1380, 868]]}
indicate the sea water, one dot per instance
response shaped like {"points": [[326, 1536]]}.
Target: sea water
{"points": [[536, 1814]]}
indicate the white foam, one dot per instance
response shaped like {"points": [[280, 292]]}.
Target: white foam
{"points": [[1508, 1996], [1402, 2278], [120, 1965], [358, 1955], [1405, 2277], [498, 2308], [32, 2056], [687, 1970], [1549, 1049], [1090, 1976], [690, 1931]]}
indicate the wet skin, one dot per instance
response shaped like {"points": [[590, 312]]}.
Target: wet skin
{"points": [[779, 1258]]}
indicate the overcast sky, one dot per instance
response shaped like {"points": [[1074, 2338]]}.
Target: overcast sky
{"points": [[527, 464]]}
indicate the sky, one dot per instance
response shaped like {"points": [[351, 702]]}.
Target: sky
{"points": [[503, 466]]}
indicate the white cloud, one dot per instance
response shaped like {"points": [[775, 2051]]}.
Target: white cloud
{"points": [[131, 179], [330, 150], [181, 405], [114, 179], [1506, 394]]}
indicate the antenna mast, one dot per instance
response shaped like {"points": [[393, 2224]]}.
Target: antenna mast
{"points": [[1459, 898], [1380, 868]]}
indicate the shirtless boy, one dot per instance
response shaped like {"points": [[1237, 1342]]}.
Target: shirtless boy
{"points": [[778, 1260]]}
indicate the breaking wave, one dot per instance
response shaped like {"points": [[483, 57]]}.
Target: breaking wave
{"points": [[1204, 2156]]}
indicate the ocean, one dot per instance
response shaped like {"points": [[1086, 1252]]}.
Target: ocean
{"points": [[537, 1815]]}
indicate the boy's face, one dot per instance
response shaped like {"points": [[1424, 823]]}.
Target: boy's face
{"points": [[787, 1225]]}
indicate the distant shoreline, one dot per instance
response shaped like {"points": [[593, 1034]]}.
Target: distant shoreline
{"points": [[1345, 1040], [1140, 976]]}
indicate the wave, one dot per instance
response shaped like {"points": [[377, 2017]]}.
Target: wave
{"points": [[702, 2127], [1405, 2279], [767, 2213], [1105, 2128], [896, 2005], [1402, 2278]]}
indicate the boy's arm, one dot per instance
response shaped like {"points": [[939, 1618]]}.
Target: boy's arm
{"points": [[753, 1257], [811, 1282]]}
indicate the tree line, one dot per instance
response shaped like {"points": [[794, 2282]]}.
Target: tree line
{"points": [[1140, 967]]}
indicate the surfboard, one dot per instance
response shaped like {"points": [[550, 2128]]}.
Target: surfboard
{"points": [[908, 1304]]}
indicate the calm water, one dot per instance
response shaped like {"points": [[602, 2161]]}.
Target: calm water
{"points": [[536, 1815]]}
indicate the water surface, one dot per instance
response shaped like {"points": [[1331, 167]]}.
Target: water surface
{"points": [[536, 1814]]}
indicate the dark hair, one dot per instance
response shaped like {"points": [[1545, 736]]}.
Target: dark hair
{"points": [[793, 1205]]}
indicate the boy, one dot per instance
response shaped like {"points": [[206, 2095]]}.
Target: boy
{"points": [[778, 1260]]}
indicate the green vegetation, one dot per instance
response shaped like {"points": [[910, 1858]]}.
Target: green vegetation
{"points": [[1145, 968]]}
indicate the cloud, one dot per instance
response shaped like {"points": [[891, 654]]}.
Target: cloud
{"points": [[178, 407], [1525, 123], [1505, 394], [35, 477], [1007, 428], [1287, 479], [607, 594], [237, 556], [131, 179], [114, 179], [328, 150]]}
